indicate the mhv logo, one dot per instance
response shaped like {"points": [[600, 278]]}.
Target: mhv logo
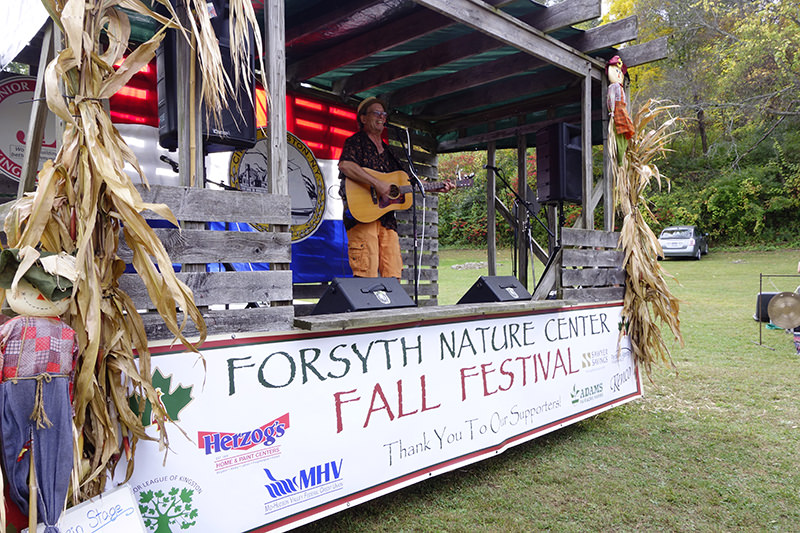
{"points": [[305, 479]]}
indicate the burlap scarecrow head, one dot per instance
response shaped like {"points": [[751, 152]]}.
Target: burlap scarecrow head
{"points": [[51, 274]]}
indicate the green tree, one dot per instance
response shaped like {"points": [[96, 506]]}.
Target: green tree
{"points": [[161, 511]]}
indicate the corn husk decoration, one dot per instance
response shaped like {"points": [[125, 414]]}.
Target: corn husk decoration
{"points": [[647, 296], [82, 202]]}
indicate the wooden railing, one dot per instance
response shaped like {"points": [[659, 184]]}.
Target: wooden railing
{"points": [[230, 301], [587, 268]]}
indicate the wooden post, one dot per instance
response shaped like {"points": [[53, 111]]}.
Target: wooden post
{"points": [[491, 212], [522, 212], [38, 118], [190, 119], [191, 160], [608, 176], [275, 64], [586, 141]]}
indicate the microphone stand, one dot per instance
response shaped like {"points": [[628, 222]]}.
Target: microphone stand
{"points": [[415, 182], [531, 213]]}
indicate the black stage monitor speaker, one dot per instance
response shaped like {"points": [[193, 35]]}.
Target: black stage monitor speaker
{"points": [[238, 126], [495, 289], [558, 164], [762, 304], [362, 294]]}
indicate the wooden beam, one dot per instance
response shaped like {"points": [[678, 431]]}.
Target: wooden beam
{"points": [[608, 175], [546, 20], [382, 38], [500, 91], [586, 152], [417, 24], [508, 133], [340, 15], [597, 38], [513, 32], [639, 54], [539, 103]]}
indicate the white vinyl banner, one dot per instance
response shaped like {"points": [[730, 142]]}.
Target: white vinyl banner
{"points": [[285, 429]]}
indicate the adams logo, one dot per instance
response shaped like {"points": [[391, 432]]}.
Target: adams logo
{"points": [[266, 435], [586, 394]]}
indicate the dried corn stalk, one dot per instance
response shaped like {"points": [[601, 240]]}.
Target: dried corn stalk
{"points": [[82, 201], [647, 296]]}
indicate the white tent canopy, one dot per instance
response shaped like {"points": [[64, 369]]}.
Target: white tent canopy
{"points": [[20, 20]]}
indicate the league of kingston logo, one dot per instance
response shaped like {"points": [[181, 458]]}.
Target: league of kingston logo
{"points": [[266, 435], [163, 511], [172, 401]]}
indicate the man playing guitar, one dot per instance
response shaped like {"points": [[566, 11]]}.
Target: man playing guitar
{"points": [[373, 247]]}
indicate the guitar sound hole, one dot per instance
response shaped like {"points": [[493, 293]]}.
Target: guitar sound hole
{"points": [[394, 191]]}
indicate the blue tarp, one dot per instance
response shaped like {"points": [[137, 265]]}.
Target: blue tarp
{"points": [[320, 257]]}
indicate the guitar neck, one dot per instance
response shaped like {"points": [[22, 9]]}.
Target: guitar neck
{"points": [[435, 185]]}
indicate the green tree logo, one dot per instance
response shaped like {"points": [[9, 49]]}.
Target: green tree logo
{"points": [[162, 511], [575, 394], [173, 401]]}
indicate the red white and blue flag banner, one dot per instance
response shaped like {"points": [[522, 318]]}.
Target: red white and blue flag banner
{"points": [[285, 429]]}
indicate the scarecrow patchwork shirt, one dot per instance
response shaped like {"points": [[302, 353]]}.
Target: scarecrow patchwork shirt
{"points": [[30, 346]]}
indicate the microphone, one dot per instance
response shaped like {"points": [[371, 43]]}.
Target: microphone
{"points": [[490, 167], [170, 162]]}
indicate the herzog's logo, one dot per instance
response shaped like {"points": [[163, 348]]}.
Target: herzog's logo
{"points": [[215, 441]]}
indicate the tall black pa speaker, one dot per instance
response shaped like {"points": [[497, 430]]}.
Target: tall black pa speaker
{"points": [[237, 129], [495, 289], [558, 164], [362, 294], [762, 303]]}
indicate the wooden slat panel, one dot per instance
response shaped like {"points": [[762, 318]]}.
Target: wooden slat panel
{"points": [[208, 205], [592, 277], [601, 258], [407, 243], [204, 246], [589, 238], [425, 289], [425, 274], [604, 294], [431, 231], [428, 260], [431, 216], [211, 288], [279, 318]]}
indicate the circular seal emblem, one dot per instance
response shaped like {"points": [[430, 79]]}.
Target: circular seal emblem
{"points": [[16, 95], [248, 172]]}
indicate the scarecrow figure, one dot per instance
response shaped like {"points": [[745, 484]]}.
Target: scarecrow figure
{"points": [[617, 103], [37, 356]]}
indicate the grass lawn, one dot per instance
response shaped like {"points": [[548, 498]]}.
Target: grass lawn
{"points": [[713, 447]]}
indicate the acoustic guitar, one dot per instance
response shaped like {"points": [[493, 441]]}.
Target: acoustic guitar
{"points": [[366, 205]]}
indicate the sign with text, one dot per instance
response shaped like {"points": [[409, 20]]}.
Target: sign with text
{"points": [[16, 101], [115, 510], [289, 428]]}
